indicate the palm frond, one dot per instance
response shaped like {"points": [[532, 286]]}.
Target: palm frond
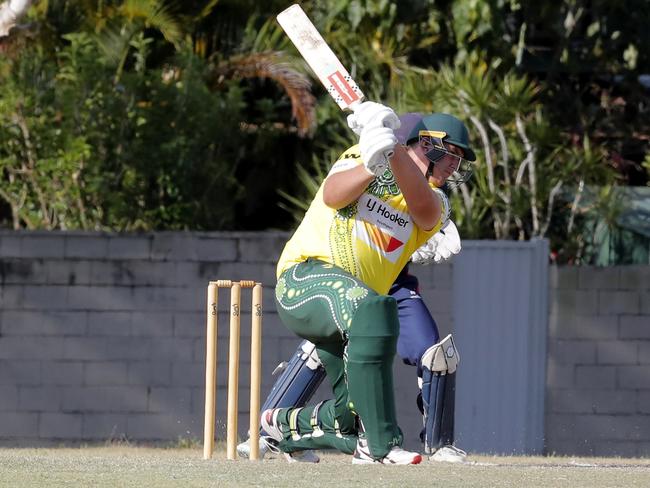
{"points": [[207, 10], [154, 13], [275, 66], [114, 40]]}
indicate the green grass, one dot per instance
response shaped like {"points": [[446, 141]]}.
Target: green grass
{"points": [[128, 466]]}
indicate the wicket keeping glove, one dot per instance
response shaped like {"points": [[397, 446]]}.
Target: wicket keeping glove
{"points": [[439, 247], [376, 146], [372, 114]]}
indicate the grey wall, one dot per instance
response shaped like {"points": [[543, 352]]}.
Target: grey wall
{"points": [[103, 336], [598, 373]]}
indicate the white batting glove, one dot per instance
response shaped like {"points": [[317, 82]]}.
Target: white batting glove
{"points": [[8, 18], [439, 247], [445, 207], [372, 114], [376, 145]]}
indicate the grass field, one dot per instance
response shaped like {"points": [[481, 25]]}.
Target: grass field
{"points": [[157, 467]]}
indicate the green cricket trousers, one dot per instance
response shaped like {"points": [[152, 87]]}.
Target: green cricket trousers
{"points": [[355, 331]]}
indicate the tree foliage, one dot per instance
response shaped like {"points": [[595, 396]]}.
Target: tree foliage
{"points": [[129, 126], [157, 114], [81, 151]]}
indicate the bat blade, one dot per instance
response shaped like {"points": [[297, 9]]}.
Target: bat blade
{"points": [[320, 58]]}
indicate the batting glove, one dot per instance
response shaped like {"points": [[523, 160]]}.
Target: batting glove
{"points": [[445, 207], [440, 247], [372, 114], [376, 146]]}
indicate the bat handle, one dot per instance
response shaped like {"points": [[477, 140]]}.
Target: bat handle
{"points": [[353, 106]]}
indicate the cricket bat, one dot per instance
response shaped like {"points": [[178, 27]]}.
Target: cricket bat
{"points": [[320, 58]]}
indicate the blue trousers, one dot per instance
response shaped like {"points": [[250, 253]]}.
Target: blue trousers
{"points": [[418, 329]]}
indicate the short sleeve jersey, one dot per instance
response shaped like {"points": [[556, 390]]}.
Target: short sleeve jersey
{"points": [[372, 238]]}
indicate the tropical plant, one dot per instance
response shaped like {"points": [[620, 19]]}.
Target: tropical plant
{"points": [[140, 154], [524, 162], [168, 141], [166, 111]]}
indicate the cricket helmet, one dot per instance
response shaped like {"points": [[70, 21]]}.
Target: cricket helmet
{"points": [[452, 129], [432, 132]]}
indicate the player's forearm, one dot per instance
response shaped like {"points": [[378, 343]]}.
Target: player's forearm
{"points": [[424, 206], [345, 187]]}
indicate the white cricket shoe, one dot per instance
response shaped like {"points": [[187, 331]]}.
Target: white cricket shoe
{"points": [[396, 455], [449, 454], [271, 426], [244, 448]]}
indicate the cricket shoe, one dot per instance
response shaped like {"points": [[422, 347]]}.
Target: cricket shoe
{"points": [[244, 448], [449, 454], [396, 455], [272, 426], [302, 457]]}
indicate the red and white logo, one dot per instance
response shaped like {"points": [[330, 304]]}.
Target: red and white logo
{"points": [[343, 87]]}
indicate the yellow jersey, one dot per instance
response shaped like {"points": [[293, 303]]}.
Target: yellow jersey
{"points": [[372, 238]]}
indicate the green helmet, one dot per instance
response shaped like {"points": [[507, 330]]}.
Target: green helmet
{"points": [[454, 131]]}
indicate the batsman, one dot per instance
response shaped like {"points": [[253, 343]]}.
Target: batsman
{"points": [[380, 203]]}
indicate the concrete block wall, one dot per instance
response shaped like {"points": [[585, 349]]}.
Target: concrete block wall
{"points": [[598, 370], [102, 336]]}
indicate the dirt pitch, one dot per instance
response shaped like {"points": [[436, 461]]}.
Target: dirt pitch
{"points": [[141, 467]]}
